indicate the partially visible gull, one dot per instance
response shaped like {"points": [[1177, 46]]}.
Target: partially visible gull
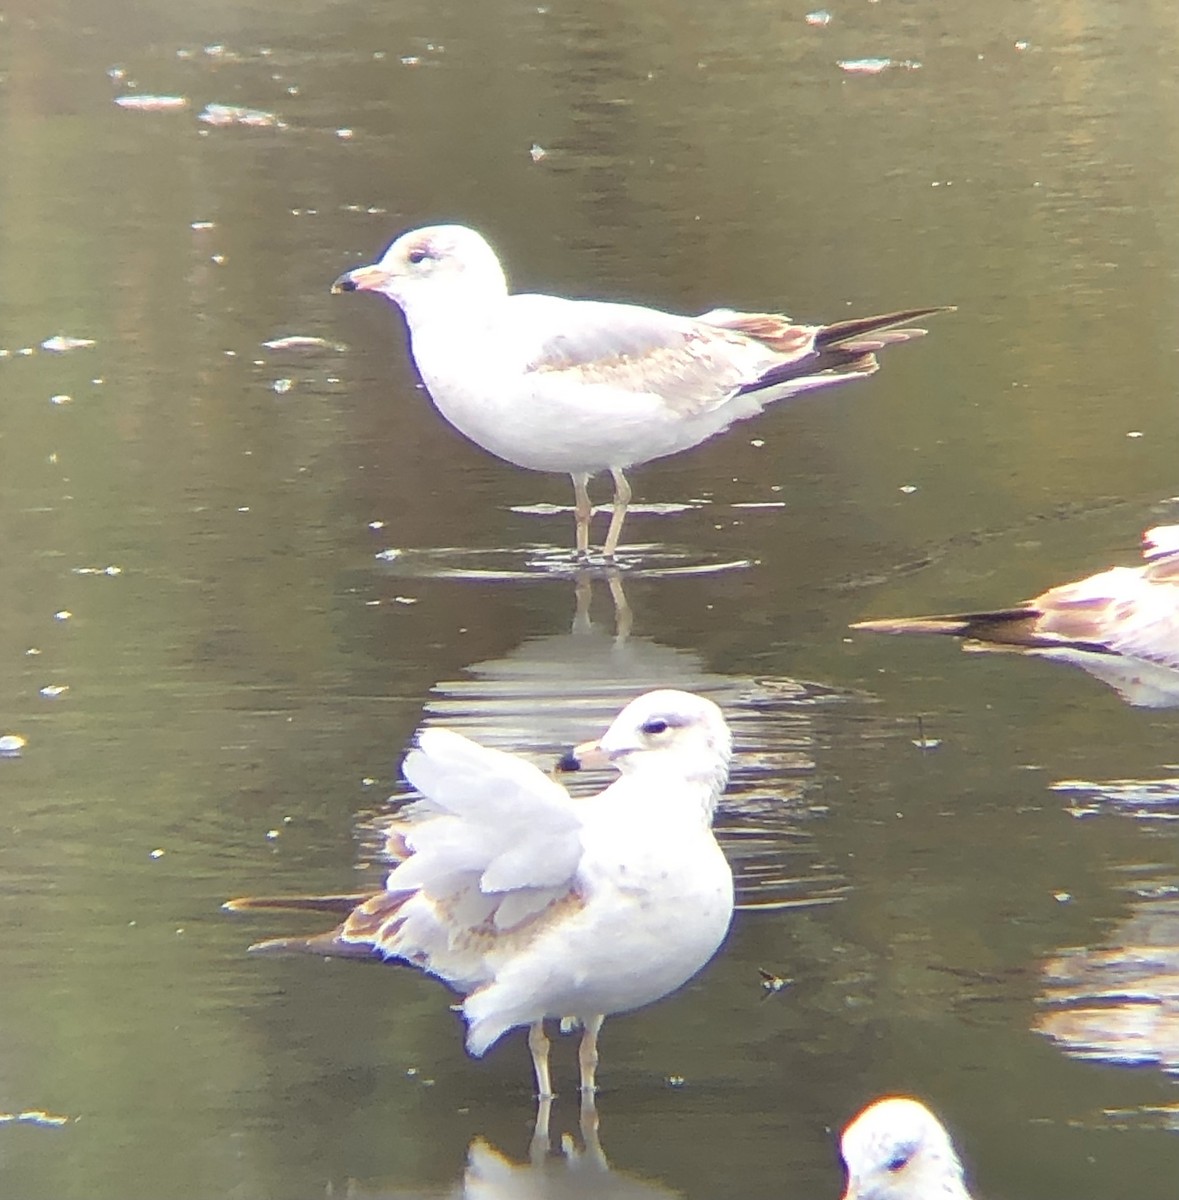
{"points": [[533, 905], [583, 386], [896, 1149], [1121, 625]]}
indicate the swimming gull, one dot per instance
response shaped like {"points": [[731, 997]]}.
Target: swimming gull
{"points": [[896, 1149], [1121, 625], [533, 905], [584, 386]]}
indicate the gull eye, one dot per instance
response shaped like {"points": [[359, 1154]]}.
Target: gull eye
{"points": [[417, 256], [899, 1159], [654, 726]]}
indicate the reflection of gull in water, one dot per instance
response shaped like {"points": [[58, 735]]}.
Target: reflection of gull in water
{"points": [[1119, 1003], [582, 386], [896, 1149], [1121, 625], [533, 905], [542, 694], [1143, 799], [575, 1173]]}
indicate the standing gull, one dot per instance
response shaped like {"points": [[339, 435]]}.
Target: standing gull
{"points": [[896, 1149], [533, 905], [583, 386], [1121, 625]]}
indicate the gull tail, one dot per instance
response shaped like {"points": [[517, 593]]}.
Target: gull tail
{"points": [[857, 334], [844, 349], [342, 904], [1007, 628], [330, 944]]}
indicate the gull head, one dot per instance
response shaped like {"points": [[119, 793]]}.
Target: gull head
{"points": [[442, 264], [896, 1149], [668, 732]]}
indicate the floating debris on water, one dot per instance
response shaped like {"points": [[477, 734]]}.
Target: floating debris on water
{"points": [[142, 102], [60, 398], [300, 342], [60, 343], [11, 745], [51, 691], [819, 17], [537, 153], [220, 115], [873, 66], [922, 742], [34, 1116], [771, 983], [282, 386], [111, 570]]}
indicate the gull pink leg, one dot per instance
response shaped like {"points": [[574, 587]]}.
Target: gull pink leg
{"points": [[587, 1055], [582, 511], [621, 500], [538, 1043]]}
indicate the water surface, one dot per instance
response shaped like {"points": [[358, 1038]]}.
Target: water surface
{"points": [[190, 525]]}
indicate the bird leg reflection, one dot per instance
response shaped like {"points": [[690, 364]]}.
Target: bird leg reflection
{"points": [[538, 1043], [538, 1148], [624, 619], [589, 1133], [583, 595], [621, 500], [588, 1124]]}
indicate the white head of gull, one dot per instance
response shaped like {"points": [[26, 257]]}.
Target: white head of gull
{"points": [[533, 905], [896, 1149], [584, 386]]}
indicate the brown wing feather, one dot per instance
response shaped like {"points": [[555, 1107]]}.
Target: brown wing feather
{"points": [[1016, 627]]}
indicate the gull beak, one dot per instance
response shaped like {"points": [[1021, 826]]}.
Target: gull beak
{"points": [[589, 756], [362, 279]]}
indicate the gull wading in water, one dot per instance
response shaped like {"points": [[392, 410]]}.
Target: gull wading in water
{"points": [[896, 1149], [533, 905], [584, 386], [1121, 625]]}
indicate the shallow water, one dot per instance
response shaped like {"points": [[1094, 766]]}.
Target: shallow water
{"points": [[256, 570]]}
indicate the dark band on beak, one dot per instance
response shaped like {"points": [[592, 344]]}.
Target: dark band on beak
{"points": [[568, 762], [344, 284]]}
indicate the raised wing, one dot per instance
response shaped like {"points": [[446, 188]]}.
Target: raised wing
{"points": [[486, 813], [489, 857]]}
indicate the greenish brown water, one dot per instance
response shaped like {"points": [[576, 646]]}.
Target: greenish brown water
{"points": [[190, 524]]}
